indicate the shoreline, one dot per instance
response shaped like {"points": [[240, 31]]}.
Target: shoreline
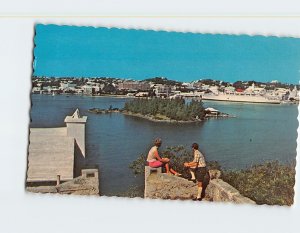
{"points": [[151, 118]]}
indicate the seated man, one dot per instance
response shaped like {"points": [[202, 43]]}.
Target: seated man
{"points": [[154, 160], [197, 168]]}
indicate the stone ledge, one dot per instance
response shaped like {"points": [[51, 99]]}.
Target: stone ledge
{"points": [[164, 186], [219, 190], [82, 185]]}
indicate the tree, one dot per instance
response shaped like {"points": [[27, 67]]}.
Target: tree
{"points": [[175, 109]]}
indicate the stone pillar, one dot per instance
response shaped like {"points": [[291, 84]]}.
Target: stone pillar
{"points": [[76, 129], [149, 170]]}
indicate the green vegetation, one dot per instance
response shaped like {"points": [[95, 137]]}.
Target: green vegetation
{"points": [[165, 81], [173, 109], [270, 183]]}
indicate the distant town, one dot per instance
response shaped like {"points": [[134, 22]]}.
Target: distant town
{"points": [[243, 91]]}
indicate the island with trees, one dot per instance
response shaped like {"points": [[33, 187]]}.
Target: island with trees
{"points": [[164, 110], [170, 110]]}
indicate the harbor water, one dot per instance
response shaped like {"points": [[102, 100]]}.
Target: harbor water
{"points": [[258, 133]]}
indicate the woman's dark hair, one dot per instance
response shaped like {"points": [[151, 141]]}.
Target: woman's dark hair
{"points": [[195, 146], [157, 142]]}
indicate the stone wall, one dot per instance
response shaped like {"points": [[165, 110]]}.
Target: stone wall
{"points": [[163, 186], [219, 190], [86, 184]]}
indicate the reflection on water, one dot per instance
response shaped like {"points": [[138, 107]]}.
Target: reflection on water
{"points": [[260, 132]]}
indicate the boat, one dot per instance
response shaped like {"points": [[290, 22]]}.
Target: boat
{"points": [[241, 98]]}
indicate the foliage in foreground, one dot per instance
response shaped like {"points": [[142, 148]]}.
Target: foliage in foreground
{"points": [[175, 109], [270, 183]]}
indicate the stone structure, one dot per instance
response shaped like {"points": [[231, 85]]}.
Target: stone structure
{"points": [[164, 186], [86, 184], [76, 129], [50, 153], [57, 156], [219, 190]]}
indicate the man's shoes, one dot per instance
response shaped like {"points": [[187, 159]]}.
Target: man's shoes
{"points": [[194, 180], [197, 199]]}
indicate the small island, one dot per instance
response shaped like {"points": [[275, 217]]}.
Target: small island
{"points": [[109, 110], [165, 110]]}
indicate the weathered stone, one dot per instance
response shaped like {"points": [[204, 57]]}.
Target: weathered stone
{"points": [[218, 190], [214, 174], [42, 189], [76, 129], [163, 186], [82, 185]]}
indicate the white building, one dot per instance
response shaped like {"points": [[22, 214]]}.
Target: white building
{"points": [[67, 85], [255, 90]]}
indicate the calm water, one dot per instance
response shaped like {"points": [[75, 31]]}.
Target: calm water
{"points": [[260, 132]]}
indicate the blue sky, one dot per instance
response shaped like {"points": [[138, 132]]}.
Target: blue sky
{"points": [[63, 51]]}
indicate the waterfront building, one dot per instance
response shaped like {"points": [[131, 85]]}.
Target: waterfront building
{"points": [[254, 90], [88, 90], [229, 90], [281, 93], [36, 90], [133, 85], [294, 94], [205, 87], [142, 94], [214, 89], [188, 85], [65, 85], [162, 90]]}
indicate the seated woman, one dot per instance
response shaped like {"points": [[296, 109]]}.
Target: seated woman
{"points": [[154, 160]]}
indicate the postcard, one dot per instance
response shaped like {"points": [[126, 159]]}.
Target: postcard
{"points": [[163, 115]]}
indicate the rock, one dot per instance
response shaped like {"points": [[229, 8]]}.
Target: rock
{"points": [[82, 185], [214, 174], [163, 186], [219, 190]]}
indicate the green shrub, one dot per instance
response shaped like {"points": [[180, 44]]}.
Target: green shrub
{"points": [[270, 183]]}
